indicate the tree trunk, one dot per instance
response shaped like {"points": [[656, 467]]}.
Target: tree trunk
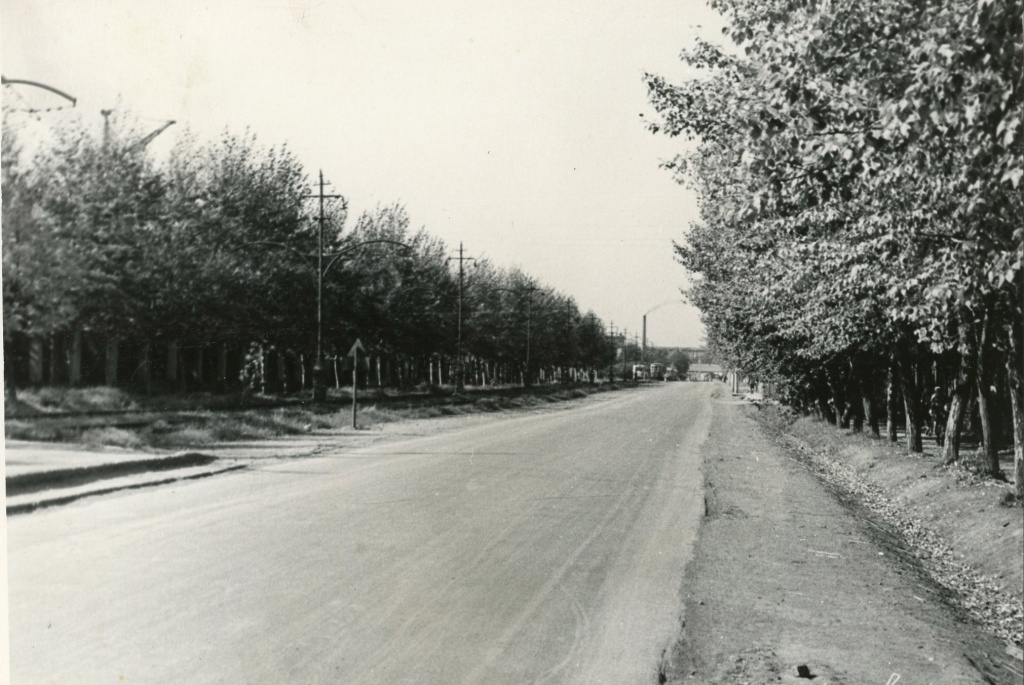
{"points": [[891, 399], [821, 396], [10, 387], [172, 361], [835, 384], [1017, 403], [58, 361], [965, 384], [1015, 383], [985, 376], [263, 370], [282, 372], [110, 371], [905, 356], [866, 376], [147, 366], [75, 358], [222, 367], [35, 361], [182, 376], [198, 373], [855, 399]]}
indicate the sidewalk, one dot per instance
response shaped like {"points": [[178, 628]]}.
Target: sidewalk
{"points": [[788, 584], [44, 474], [48, 474]]}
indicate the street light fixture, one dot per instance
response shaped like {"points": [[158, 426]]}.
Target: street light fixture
{"points": [[319, 370], [36, 84]]}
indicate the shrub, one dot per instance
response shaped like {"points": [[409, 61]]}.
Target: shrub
{"points": [[112, 437], [183, 436]]}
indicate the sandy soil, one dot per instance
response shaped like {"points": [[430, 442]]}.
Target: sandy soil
{"points": [[791, 581]]}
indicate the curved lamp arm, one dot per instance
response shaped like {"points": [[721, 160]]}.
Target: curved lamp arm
{"points": [[335, 256], [4, 80]]}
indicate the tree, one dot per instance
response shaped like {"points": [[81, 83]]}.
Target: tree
{"points": [[860, 198], [679, 360]]}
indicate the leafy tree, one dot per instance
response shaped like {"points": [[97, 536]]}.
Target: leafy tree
{"points": [[400, 297], [861, 197], [237, 259], [679, 360]]}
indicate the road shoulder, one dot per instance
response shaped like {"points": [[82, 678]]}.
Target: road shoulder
{"points": [[788, 581]]}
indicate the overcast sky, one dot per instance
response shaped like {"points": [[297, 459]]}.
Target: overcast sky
{"points": [[513, 127]]}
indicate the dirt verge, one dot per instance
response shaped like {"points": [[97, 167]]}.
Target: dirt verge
{"points": [[107, 417], [955, 523], [793, 580]]}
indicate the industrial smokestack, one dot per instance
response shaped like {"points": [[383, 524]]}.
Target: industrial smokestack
{"points": [[643, 349]]}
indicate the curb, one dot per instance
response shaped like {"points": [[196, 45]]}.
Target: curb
{"points": [[73, 477], [57, 499]]}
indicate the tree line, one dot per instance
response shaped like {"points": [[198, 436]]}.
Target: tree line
{"points": [[860, 236], [199, 272]]}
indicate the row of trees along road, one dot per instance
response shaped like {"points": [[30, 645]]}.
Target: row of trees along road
{"points": [[195, 273], [860, 238]]}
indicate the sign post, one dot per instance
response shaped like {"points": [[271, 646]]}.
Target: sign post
{"points": [[354, 353]]}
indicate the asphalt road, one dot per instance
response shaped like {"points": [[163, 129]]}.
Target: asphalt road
{"points": [[529, 548]]}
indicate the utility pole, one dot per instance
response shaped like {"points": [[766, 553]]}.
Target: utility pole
{"points": [[319, 370], [594, 347], [458, 350], [111, 372], [611, 364], [106, 126], [568, 341], [529, 317]]}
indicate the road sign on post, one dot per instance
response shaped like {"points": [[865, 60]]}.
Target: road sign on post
{"points": [[354, 353]]}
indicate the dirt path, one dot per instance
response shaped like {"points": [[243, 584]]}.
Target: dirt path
{"points": [[788, 584]]}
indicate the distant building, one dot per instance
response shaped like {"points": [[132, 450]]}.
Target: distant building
{"points": [[705, 372], [697, 355]]}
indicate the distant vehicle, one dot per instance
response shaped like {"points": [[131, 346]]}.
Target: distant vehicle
{"points": [[649, 372]]}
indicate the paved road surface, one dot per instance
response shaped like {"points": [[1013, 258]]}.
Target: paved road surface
{"points": [[535, 548]]}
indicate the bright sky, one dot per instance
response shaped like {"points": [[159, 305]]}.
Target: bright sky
{"points": [[512, 127]]}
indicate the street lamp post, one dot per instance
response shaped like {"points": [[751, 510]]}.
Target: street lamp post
{"points": [[529, 320], [611, 362], [462, 258], [319, 369]]}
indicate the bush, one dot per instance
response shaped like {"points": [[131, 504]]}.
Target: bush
{"points": [[112, 437], [183, 436]]}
